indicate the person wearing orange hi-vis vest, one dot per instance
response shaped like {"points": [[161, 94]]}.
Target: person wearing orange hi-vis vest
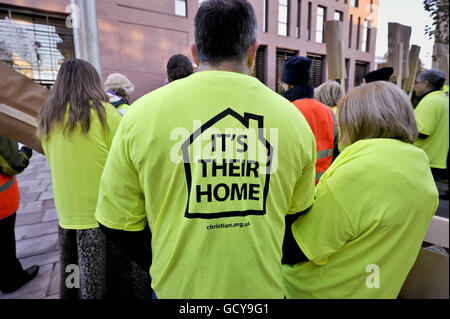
{"points": [[321, 118], [12, 162]]}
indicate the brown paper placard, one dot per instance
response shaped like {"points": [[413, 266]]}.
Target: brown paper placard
{"points": [[20, 101], [334, 33], [398, 33], [19, 128], [428, 278], [20, 92]]}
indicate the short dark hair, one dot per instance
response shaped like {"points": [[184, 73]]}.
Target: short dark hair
{"points": [[435, 79], [224, 30], [179, 67]]}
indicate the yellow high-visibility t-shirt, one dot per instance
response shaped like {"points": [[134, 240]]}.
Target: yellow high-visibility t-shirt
{"points": [[76, 164], [364, 230], [432, 117], [212, 163]]}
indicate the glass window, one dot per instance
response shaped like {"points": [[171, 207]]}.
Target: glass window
{"points": [[281, 56], [354, 3], [283, 17], [338, 15], [320, 24], [350, 32], [317, 69], [361, 69], [180, 8], [265, 15], [309, 20], [35, 44], [358, 33], [365, 45], [299, 14], [260, 64]]}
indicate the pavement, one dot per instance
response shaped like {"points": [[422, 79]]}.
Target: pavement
{"points": [[37, 230]]}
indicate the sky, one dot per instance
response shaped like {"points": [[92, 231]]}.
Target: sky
{"points": [[410, 13]]}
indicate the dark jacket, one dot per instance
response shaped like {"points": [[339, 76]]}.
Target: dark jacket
{"points": [[12, 160], [304, 91]]}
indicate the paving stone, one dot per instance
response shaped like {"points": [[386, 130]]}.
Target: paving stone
{"points": [[46, 181], [45, 195], [44, 175], [36, 246], [41, 260], [36, 189], [28, 182], [50, 214], [29, 197], [48, 203], [28, 219], [31, 207], [35, 230]]}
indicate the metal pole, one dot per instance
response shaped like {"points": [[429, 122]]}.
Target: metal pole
{"points": [[85, 32]]}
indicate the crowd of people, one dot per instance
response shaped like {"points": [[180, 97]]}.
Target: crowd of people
{"points": [[345, 181]]}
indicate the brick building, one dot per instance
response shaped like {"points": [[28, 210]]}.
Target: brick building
{"points": [[137, 37]]}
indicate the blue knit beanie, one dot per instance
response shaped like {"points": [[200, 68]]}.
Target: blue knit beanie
{"points": [[297, 70]]}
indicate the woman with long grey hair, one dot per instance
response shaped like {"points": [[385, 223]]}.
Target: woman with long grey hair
{"points": [[76, 127]]}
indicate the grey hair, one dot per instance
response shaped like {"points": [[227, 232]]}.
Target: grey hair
{"points": [[329, 93], [224, 30], [376, 110], [435, 79]]}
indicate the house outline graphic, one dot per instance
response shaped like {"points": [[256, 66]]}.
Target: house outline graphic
{"points": [[245, 121]]}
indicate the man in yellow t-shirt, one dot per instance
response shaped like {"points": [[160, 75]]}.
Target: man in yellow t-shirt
{"points": [[212, 163], [432, 117]]}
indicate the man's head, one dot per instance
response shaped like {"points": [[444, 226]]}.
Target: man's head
{"points": [[297, 71], [430, 80], [179, 67], [225, 31]]}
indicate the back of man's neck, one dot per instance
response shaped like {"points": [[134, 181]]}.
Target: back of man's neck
{"points": [[224, 66]]}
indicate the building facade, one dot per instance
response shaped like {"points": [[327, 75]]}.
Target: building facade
{"points": [[137, 37]]}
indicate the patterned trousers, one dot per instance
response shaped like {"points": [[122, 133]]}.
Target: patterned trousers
{"points": [[104, 271]]}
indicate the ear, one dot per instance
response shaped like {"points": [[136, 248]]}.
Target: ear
{"points": [[194, 54], [251, 55]]}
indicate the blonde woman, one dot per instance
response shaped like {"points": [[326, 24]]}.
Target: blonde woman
{"points": [[77, 126], [329, 93], [372, 208]]}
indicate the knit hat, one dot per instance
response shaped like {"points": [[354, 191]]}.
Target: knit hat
{"points": [[383, 74], [297, 70], [116, 81]]}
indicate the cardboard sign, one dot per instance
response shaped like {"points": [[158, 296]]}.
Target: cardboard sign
{"points": [[398, 49], [413, 66], [440, 59], [428, 278], [334, 40], [20, 101]]}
